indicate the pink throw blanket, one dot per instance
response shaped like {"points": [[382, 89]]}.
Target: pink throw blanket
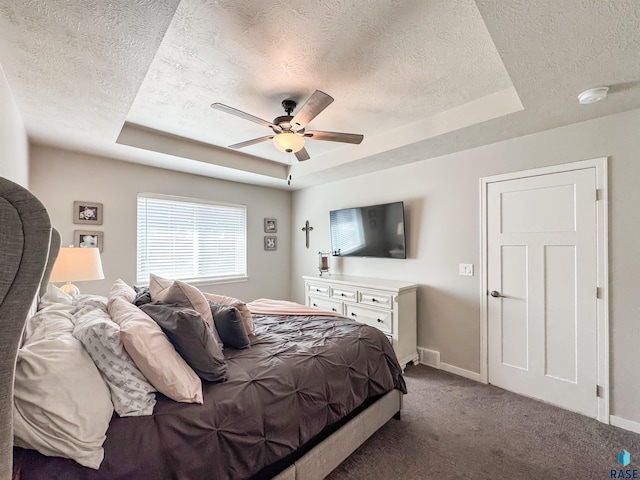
{"points": [[267, 306]]}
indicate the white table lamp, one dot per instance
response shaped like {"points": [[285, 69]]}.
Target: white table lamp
{"points": [[76, 265]]}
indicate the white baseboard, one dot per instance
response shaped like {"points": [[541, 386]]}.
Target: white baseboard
{"points": [[460, 371], [431, 358], [624, 423]]}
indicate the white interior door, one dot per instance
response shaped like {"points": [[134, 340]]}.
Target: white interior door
{"points": [[542, 279]]}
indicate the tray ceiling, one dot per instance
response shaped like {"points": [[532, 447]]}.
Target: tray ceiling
{"points": [[135, 79]]}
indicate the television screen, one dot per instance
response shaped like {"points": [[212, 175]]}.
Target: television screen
{"points": [[373, 231]]}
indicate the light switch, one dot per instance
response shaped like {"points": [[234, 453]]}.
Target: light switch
{"points": [[466, 269]]}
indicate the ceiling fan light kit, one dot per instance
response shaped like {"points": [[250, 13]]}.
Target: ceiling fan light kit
{"points": [[288, 142], [289, 130]]}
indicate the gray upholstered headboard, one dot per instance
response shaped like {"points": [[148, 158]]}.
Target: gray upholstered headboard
{"points": [[25, 239]]}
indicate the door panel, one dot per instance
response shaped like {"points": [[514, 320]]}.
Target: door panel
{"points": [[560, 312], [542, 259], [515, 331], [525, 211]]}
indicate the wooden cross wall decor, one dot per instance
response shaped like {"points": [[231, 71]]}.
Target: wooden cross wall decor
{"points": [[306, 229]]}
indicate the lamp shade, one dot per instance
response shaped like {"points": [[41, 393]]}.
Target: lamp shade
{"points": [[288, 142], [77, 265]]}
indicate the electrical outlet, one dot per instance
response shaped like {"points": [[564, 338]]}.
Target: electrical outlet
{"points": [[465, 269]]}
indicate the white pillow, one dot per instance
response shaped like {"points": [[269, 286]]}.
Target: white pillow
{"points": [[55, 297], [121, 289], [62, 407], [132, 395]]}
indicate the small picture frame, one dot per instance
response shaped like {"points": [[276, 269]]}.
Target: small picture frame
{"points": [[270, 242], [89, 213], [270, 225], [88, 239]]}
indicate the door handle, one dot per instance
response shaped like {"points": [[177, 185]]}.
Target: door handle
{"points": [[496, 294]]}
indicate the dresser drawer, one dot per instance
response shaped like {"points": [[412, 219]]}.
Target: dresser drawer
{"points": [[377, 299], [346, 294], [381, 319], [319, 290], [325, 304]]}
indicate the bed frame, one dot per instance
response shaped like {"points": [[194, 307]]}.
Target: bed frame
{"points": [[28, 248]]}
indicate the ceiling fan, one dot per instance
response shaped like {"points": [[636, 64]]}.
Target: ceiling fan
{"points": [[289, 132]]}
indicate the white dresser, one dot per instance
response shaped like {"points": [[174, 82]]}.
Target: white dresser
{"points": [[388, 305]]}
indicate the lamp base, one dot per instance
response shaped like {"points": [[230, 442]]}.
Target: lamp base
{"points": [[70, 288]]}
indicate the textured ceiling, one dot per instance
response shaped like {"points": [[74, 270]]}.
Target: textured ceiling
{"points": [[134, 78]]}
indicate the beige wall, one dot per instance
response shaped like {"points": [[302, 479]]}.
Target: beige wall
{"points": [[59, 177], [14, 152], [442, 206]]}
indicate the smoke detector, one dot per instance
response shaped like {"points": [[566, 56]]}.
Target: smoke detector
{"points": [[593, 95]]}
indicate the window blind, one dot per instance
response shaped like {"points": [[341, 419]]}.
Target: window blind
{"points": [[190, 239]]}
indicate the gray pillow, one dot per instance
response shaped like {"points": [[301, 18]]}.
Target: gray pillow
{"points": [[192, 338], [228, 323]]}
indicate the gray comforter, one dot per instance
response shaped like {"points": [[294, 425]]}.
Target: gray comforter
{"points": [[301, 375]]}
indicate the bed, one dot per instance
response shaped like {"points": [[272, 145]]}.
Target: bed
{"points": [[308, 391]]}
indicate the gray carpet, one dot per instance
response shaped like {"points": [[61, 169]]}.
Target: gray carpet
{"points": [[454, 428]]}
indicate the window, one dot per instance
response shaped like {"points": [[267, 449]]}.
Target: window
{"points": [[190, 239]]}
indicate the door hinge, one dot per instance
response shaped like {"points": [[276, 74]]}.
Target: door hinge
{"points": [[598, 293], [599, 391], [598, 194]]}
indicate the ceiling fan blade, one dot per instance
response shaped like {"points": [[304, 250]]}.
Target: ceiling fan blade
{"points": [[334, 136], [239, 113], [302, 155], [251, 142], [316, 103]]}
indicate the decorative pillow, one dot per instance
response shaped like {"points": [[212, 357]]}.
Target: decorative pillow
{"points": [[188, 296], [229, 325], [157, 286], [62, 407], [247, 319], [131, 394], [143, 296], [55, 297], [192, 337], [153, 354], [121, 289]]}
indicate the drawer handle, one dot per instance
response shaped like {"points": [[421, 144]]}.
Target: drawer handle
{"points": [[379, 321], [317, 289], [373, 300], [353, 314], [342, 294], [333, 310], [315, 304]]}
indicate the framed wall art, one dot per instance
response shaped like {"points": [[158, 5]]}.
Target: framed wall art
{"points": [[88, 239], [88, 213], [270, 225], [270, 243]]}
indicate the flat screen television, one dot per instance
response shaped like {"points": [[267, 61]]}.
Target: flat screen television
{"points": [[372, 231]]}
